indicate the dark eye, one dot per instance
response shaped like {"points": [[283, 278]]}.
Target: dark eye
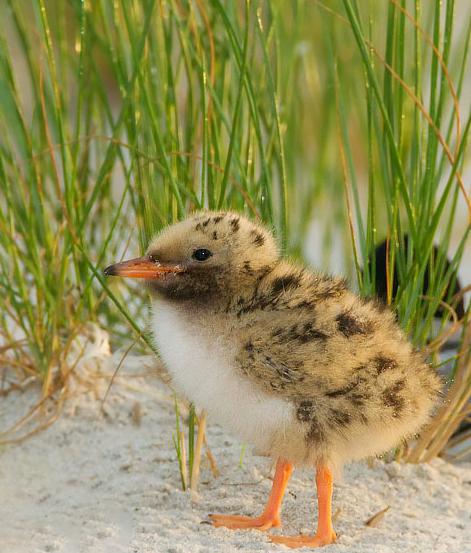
{"points": [[202, 254]]}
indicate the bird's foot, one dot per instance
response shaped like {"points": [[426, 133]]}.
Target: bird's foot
{"points": [[305, 541], [237, 522]]}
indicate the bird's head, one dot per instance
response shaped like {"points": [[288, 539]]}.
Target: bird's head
{"points": [[210, 254]]}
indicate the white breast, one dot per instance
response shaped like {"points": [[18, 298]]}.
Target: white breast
{"points": [[202, 367]]}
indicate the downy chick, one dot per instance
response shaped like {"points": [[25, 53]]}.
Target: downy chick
{"points": [[287, 359]]}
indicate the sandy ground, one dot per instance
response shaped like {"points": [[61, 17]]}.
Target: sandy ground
{"points": [[110, 483]]}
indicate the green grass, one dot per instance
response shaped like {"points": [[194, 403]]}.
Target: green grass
{"points": [[118, 118]]}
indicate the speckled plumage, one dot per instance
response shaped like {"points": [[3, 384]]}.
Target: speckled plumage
{"points": [[355, 384], [289, 360]]}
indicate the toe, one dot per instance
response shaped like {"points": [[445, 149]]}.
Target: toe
{"points": [[304, 541], [237, 522]]}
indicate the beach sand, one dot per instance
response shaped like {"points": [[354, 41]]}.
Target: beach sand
{"points": [[109, 482]]}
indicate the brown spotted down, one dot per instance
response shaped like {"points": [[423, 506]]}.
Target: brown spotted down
{"points": [[258, 238], [345, 369], [349, 325]]}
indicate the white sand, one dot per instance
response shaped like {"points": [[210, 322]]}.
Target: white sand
{"points": [[104, 484]]}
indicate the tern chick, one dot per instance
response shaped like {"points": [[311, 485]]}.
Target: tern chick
{"points": [[287, 359]]}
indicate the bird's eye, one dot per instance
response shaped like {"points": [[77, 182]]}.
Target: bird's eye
{"points": [[153, 257], [202, 254]]}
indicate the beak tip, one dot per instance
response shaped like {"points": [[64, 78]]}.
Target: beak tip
{"points": [[110, 271]]}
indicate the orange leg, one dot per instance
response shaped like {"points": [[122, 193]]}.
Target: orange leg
{"points": [[271, 515], [325, 533]]}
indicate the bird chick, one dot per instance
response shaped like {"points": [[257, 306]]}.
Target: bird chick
{"points": [[287, 359]]}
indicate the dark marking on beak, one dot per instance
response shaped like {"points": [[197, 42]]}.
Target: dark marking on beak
{"points": [[110, 271]]}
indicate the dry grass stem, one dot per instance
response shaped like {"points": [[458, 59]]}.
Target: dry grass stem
{"points": [[195, 472], [374, 520], [446, 421], [183, 460], [212, 460]]}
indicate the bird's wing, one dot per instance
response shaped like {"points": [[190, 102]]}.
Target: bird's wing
{"points": [[301, 333], [339, 359], [285, 359]]}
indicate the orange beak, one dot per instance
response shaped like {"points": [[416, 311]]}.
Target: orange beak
{"points": [[141, 267]]}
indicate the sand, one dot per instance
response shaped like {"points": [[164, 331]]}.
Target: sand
{"points": [[95, 482]]}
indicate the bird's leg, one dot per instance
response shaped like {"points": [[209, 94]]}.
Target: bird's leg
{"points": [[325, 533], [271, 515]]}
